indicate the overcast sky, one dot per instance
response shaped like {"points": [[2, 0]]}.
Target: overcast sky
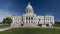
{"points": [[41, 7]]}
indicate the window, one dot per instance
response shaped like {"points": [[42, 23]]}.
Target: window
{"points": [[26, 18], [22, 19], [23, 22], [29, 21], [31, 18]]}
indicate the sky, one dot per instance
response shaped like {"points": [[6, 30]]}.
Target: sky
{"points": [[41, 7]]}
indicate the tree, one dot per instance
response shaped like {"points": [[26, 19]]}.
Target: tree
{"points": [[7, 20]]}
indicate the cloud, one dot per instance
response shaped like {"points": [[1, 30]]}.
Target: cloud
{"points": [[5, 12]]}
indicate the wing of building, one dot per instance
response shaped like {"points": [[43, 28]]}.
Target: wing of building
{"points": [[30, 19]]}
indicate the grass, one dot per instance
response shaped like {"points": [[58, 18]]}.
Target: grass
{"points": [[31, 31], [56, 25], [1, 26]]}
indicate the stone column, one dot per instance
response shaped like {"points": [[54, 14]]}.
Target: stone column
{"points": [[13, 20], [25, 20], [30, 19]]}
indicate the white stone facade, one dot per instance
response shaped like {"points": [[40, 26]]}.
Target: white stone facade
{"points": [[30, 18]]}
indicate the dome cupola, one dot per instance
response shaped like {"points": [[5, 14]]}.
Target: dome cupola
{"points": [[29, 8]]}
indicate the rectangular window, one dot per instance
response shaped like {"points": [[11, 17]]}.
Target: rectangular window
{"points": [[31, 18], [26, 18]]}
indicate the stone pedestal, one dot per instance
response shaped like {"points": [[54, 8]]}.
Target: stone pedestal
{"points": [[29, 25], [14, 25], [43, 25]]}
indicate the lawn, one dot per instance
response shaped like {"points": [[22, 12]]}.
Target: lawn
{"points": [[57, 24], [31, 31], [4, 25]]}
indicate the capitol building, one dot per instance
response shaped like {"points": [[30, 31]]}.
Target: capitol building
{"points": [[30, 19]]}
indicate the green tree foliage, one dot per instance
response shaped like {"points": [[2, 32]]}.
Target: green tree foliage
{"points": [[7, 20]]}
